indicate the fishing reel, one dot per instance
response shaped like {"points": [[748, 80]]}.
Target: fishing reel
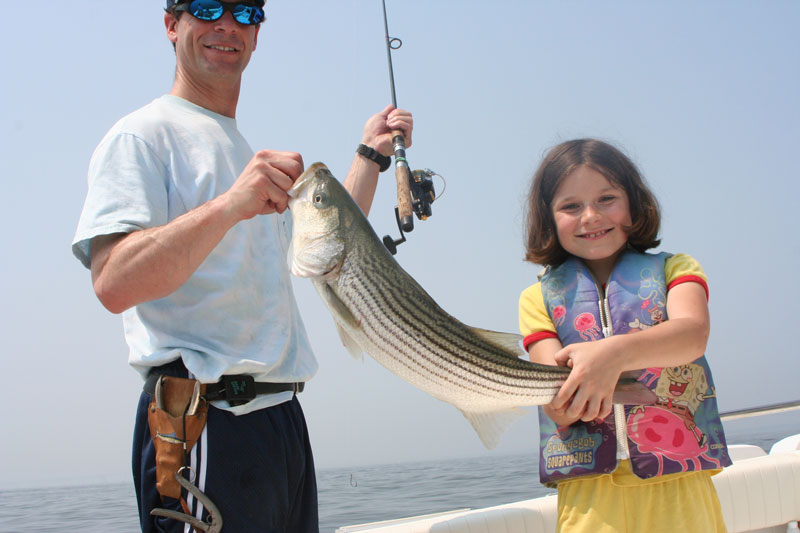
{"points": [[423, 194]]}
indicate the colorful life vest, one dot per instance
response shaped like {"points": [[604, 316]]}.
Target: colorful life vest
{"points": [[681, 432]]}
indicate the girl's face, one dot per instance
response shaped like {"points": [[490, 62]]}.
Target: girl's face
{"points": [[590, 213]]}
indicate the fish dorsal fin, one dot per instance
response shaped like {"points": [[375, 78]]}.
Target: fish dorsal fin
{"points": [[490, 425], [508, 341]]}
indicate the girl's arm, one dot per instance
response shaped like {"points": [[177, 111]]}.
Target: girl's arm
{"points": [[596, 366]]}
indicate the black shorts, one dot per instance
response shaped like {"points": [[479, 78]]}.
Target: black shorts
{"points": [[256, 468]]}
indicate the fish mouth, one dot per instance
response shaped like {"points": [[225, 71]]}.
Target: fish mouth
{"points": [[295, 190]]}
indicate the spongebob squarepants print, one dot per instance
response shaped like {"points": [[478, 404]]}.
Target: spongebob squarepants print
{"points": [[653, 311], [557, 309], [652, 308], [668, 429]]}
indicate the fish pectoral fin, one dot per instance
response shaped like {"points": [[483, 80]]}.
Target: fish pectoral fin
{"points": [[352, 346], [342, 315], [336, 305], [490, 425], [509, 341]]}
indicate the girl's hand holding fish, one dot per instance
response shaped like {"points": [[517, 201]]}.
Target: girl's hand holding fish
{"points": [[560, 416], [587, 393]]}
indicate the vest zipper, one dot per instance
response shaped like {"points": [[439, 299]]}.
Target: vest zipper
{"points": [[619, 410], [605, 312], [608, 329]]}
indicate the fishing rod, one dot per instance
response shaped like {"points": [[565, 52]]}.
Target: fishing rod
{"points": [[758, 411], [415, 190]]}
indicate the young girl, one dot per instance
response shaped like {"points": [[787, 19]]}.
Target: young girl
{"points": [[619, 468]]}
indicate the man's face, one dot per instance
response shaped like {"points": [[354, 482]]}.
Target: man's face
{"points": [[211, 49]]}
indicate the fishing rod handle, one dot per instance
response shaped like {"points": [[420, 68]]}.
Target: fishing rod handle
{"points": [[403, 176]]}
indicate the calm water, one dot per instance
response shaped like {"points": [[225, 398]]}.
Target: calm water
{"points": [[346, 495]]}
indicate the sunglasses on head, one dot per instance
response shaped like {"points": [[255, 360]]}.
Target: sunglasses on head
{"points": [[209, 10]]}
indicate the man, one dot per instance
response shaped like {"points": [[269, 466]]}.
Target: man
{"points": [[185, 232]]}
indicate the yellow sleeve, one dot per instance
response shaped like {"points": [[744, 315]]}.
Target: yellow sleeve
{"points": [[534, 321], [682, 268]]}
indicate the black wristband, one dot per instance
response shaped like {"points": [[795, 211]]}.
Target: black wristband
{"points": [[384, 162]]}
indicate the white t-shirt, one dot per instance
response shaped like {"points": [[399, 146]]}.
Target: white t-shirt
{"points": [[237, 313]]}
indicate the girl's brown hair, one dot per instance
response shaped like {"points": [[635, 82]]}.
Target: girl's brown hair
{"points": [[542, 245]]}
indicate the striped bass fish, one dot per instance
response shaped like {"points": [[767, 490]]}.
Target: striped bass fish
{"points": [[381, 310]]}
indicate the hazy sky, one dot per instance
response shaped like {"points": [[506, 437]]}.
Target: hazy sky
{"points": [[702, 95]]}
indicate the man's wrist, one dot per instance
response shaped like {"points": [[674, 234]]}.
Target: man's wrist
{"points": [[383, 161]]}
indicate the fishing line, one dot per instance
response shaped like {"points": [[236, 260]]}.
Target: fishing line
{"points": [[430, 174]]}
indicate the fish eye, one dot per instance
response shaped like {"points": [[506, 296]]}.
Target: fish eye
{"points": [[319, 198]]}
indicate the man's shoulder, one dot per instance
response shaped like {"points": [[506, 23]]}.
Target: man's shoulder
{"points": [[154, 124], [144, 119]]}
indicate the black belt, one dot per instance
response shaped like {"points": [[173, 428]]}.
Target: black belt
{"points": [[236, 389]]}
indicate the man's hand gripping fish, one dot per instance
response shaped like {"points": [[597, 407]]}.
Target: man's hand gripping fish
{"points": [[381, 310]]}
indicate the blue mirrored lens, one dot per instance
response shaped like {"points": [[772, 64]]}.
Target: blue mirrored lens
{"points": [[213, 10], [248, 14], [206, 9]]}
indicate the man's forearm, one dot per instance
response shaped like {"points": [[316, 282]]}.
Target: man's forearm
{"points": [[149, 264], [362, 181]]}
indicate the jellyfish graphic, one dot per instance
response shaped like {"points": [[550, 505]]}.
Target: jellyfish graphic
{"points": [[559, 312], [586, 325]]}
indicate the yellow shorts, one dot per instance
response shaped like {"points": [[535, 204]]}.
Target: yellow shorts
{"points": [[621, 502]]}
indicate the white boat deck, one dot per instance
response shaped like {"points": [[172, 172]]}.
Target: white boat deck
{"points": [[759, 493]]}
